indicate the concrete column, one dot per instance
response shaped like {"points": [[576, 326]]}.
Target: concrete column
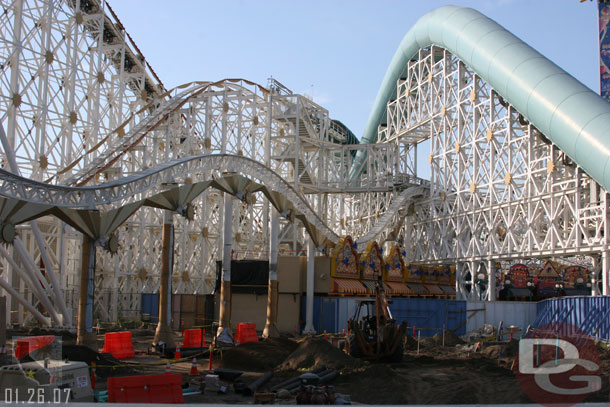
{"points": [[10, 274], [272, 291], [594, 289], [474, 288], [491, 279], [309, 329], [225, 288], [163, 333], [605, 271], [459, 287], [2, 321], [84, 333]]}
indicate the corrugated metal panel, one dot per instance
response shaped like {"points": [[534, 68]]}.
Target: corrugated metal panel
{"points": [[329, 313], [520, 314], [150, 306], [188, 303], [589, 314], [175, 316], [345, 310], [317, 307], [429, 315]]}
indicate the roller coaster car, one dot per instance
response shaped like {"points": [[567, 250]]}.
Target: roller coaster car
{"points": [[376, 335]]}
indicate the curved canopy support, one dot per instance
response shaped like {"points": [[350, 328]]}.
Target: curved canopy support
{"points": [[79, 206], [568, 113]]}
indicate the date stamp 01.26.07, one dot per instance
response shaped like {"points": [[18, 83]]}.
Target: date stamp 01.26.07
{"points": [[36, 396]]}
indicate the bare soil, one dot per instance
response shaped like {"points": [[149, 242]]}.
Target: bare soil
{"points": [[434, 375], [316, 352], [257, 356]]}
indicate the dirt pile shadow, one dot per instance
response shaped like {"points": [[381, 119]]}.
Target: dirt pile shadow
{"points": [[316, 352], [257, 356], [374, 384]]}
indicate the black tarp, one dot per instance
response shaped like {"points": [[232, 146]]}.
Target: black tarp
{"points": [[519, 292], [247, 276], [576, 291]]}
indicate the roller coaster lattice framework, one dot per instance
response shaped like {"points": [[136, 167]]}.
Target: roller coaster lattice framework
{"points": [[93, 131]]}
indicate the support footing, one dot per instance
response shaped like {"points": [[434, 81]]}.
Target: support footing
{"points": [[88, 339], [165, 335]]}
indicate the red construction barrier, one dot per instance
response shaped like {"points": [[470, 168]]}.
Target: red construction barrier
{"points": [[194, 338], [164, 388], [31, 343], [118, 344], [246, 332]]}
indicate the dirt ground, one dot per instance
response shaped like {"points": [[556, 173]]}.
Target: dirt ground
{"points": [[433, 375]]}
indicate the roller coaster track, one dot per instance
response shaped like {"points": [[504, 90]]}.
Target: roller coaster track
{"points": [[122, 145], [159, 111], [454, 37], [143, 186], [564, 110], [552, 105]]}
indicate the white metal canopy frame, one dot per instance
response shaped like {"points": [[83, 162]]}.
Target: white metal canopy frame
{"points": [[95, 144]]}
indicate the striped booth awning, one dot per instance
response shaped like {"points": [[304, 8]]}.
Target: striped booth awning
{"points": [[370, 286], [398, 288], [418, 289], [434, 289], [347, 286]]}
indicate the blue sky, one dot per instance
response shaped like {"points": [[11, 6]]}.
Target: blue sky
{"points": [[337, 51]]}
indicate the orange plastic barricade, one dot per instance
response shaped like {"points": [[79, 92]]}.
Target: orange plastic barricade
{"points": [[164, 388], [194, 338], [31, 343], [118, 344], [246, 332]]}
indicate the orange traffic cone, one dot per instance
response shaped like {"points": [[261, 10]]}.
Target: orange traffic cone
{"points": [[177, 354], [194, 367], [168, 368], [93, 376]]}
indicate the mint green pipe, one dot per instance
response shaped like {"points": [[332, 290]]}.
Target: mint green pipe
{"points": [[568, 113]]}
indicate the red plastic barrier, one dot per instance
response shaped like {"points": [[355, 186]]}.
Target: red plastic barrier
{"points": [[194, 338], [246, 332], [164, 388], [31, 343], [118, 344]]}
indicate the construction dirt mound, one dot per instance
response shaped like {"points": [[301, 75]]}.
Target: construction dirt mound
{"points": [[451, 339], [375, 384], [257, 356], [410, 343], [500, 350], [142, 332], [316, 352], [427, 342]]}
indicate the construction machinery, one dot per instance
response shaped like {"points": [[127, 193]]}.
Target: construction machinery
{"points": [[373, 332]]}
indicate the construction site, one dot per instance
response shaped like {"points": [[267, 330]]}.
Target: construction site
{"points": [[227, 242]]}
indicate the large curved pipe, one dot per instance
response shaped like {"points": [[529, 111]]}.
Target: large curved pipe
{"points": [[568, 113]]}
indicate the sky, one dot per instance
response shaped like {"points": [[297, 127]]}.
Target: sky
{"points": [[334, 50]]}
